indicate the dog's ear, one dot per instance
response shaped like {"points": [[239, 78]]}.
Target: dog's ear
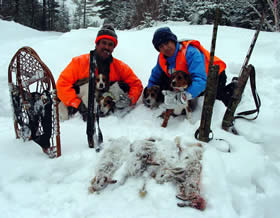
{"points": [[110, 101], [188, 78], [106, 78], [112, 109], [173, 75], [100, 99], [160, 97], [156, 88], [145, 92]]}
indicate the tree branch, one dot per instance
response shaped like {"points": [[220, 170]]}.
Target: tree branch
{"points": [[259, 14]]}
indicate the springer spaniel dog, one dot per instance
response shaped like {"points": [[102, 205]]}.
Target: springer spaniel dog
{"points": [[179, 81]]}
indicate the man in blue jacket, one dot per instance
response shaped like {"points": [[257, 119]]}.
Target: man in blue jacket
{"points": [[189, 57]]}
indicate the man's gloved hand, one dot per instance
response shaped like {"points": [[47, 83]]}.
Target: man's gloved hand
{"points": [[83, 111], [173, 99], [72, 110], [123, 102]]}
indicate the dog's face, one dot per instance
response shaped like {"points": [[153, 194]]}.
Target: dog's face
{"points": [[106, 104], [101, 82], [180, 80], [152, 96]]}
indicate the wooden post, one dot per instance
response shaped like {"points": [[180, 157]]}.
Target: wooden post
{"points": [[209, 100], [211, 88]]}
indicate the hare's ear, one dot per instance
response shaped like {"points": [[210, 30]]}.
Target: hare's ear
{"points": [[111, 181]]}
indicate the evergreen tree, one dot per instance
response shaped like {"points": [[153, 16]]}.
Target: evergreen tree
{"points": [[64, 20], [127, 14], [44, 16], [147, 22], [26, 12], [10, 10], [87, 6], [124, 15], [31, 11], [143, 6], [163, 11], [53, 14], [78, 15], [271, 10], [176, 10], [130, 9], [107, 11], [91, 13]]}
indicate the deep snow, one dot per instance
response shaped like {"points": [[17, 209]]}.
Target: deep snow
{"points": [[243, 183]]}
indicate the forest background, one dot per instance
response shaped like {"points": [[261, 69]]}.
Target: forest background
{"points": [[64, 15]]}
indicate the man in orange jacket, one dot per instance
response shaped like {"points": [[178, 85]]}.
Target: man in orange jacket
{"points": [[113, 68], [190, 57]]}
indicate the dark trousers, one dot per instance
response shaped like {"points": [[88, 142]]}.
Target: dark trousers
{"points": [[224, 92]]}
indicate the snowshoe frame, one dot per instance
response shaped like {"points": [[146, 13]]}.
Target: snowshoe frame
{"points": [[27, 74]]}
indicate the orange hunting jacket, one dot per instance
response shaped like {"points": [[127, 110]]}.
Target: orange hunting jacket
{"points": [[78, 69], [181, 63]]}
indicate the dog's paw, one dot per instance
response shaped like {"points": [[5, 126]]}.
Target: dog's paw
{"points": [[189, 117]]}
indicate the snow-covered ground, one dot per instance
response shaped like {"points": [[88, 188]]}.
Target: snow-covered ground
{"points": [[243, 183]]}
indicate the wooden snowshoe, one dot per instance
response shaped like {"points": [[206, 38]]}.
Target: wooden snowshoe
{"points": [[34, 101]]}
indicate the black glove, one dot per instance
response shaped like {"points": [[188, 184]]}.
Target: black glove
{"points": [[72, 110], [83, 111]]}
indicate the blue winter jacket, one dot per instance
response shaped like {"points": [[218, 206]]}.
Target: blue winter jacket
{"points": [[196, 66]]}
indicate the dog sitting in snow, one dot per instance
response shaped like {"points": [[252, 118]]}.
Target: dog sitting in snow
{"points": [[106, 94], [102, 84], [81, 89], [152, 96], [107, 101], [106, 104], [179, 81]]}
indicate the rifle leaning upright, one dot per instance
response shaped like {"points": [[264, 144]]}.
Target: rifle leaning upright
{"points": [[93, 111], [246, 71]]}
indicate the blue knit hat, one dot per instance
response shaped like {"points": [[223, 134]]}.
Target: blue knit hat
{"points": [[163, 35]]}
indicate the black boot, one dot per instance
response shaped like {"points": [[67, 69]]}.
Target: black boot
{"points": [[228, 91], [225, 92]]}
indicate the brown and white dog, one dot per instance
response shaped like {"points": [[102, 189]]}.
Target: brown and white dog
{"points": [[106, 104], [102, 85], [108, 99], [152, 96], [81, 89], [179, 81]]}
